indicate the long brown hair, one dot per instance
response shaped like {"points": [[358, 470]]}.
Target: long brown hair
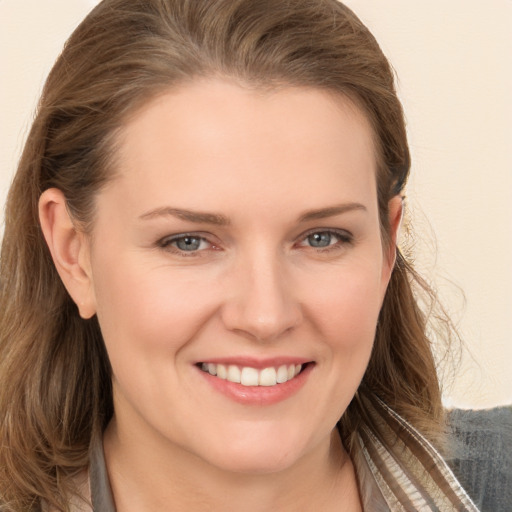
{"points": [[55, 383]]}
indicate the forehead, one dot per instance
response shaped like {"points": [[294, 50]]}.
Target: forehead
{"points": [[216, 103], [217, 136]]}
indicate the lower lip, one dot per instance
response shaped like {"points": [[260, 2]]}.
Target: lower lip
{"points": [[258, 395]]}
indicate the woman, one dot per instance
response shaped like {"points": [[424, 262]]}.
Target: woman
{"points": [[203, 306]]}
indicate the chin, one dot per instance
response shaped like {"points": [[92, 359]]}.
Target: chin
{"points": [[257, 454]]}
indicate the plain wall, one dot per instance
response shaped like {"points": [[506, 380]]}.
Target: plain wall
{"points": [[453, 60]]}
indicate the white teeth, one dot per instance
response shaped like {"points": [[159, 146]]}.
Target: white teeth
{"points": [[282, 374], [268, 377], [233, 374], [248, 376], [222, 371]]}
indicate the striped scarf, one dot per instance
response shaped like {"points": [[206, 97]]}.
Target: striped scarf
{"points": [[400, 471], [397, 468]]}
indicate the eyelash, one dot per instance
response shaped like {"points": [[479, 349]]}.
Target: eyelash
{"points": [[166, 244], [344, 238]]}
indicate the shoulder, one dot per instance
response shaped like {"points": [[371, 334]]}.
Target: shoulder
{"points": [[481, 455], [409, 471]]}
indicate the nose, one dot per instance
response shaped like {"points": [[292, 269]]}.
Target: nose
{"points": [[261, 301]]}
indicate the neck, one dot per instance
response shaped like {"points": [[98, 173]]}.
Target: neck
{"points": [[161, 476]]}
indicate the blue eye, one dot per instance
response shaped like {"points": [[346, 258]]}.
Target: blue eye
{"points": [[185, 243], [188, 243], [320, 239], [327, 239]]}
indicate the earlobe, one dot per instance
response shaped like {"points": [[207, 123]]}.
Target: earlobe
{"points": [[69, 248]]}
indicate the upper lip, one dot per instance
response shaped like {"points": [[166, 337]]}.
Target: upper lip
{"points": [[258, 363]]}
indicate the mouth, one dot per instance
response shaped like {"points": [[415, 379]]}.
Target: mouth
{"points": [[253, 382], [254, 377]]}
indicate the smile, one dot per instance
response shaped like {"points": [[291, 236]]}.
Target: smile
{"points": [[248, 376]]}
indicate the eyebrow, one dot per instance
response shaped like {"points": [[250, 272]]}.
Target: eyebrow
{"points": [[220, 220], [192, 216], [331, 211]]}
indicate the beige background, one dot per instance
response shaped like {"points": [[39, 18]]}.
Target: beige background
{"points": [[453, 59]]}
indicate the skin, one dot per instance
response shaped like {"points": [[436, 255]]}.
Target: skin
{"points": [[256, 286]]}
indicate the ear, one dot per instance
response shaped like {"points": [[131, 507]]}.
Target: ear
{"points": [[395, 216], [70, 250]]}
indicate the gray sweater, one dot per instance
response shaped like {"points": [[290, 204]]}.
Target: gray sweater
{"points": [[482, 456]]}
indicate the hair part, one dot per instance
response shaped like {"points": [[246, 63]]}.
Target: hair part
{"points": [[55, 378]]}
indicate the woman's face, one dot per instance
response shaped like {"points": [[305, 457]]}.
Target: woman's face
{"points": [[241, 236]]}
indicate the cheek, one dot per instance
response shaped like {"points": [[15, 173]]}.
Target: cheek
{"points": [[149, 309], [348, 304]]}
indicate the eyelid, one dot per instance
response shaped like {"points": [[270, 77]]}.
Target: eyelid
{"points": [[346, 237], [167, 241]]}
